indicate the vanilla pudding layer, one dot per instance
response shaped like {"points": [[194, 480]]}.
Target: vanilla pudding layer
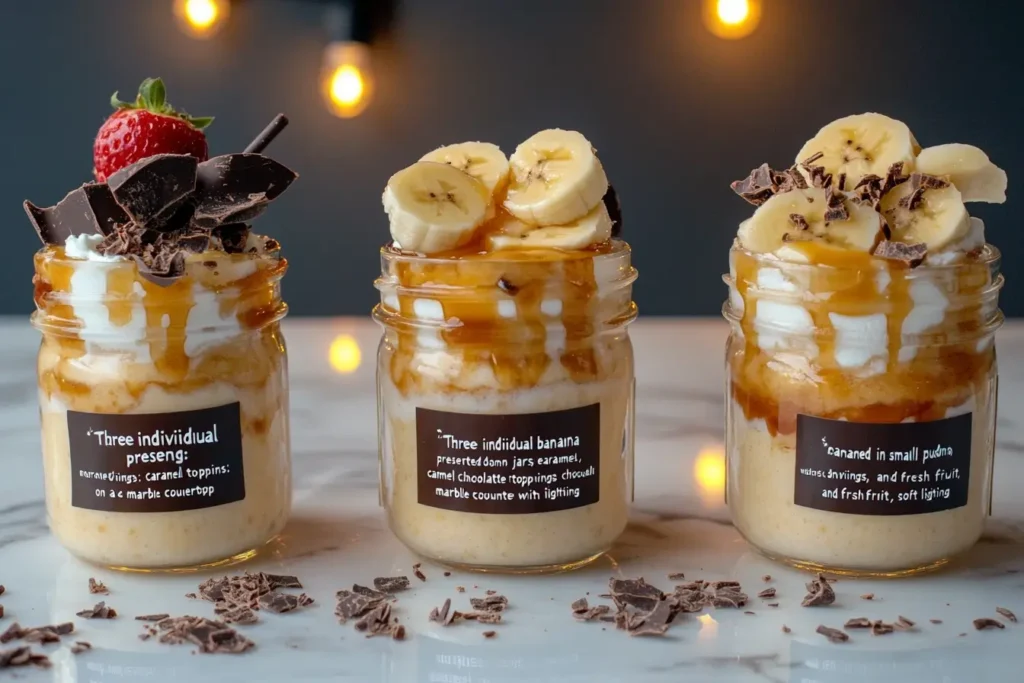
{"points": [[512, 540], [761, 478], [115, 343]]}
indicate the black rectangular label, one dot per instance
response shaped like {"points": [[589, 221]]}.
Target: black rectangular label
{"points": [[509, 464], [156, 462], [907, 468]]}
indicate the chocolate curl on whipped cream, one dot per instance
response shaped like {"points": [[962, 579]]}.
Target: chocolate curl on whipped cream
{"points": [[164, 207]]}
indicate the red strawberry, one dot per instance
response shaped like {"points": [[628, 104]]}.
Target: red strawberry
{"points": [[145, 127]]}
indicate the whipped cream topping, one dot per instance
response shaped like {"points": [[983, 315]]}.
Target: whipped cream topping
{"points": [[86, 248]]}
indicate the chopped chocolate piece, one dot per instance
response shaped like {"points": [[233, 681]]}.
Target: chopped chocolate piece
{"points": [[758, 187], [880, 628], [99, 611], [489, 634], [749, 612], [418, 573], [786, 629], [447, 573], [772, 604], [1007, 614], [80, 646], [868, 596], [595, 612], [835, 206], [811, 159], [391, 584], [236, 188], [834, 635], [841, 182], [352, 604], [819, 593], [767, 593], [208, 635], [152, 617], [440, 614], [279, 603], [904, 624], [655, 623], [238, 615], [460, 589], [935, 621], [799, 222], [725, 594], [377, 621], [41, 634], [398, 632], [153, 189], [97, 587], [614, 207], [63, 628], [88, 210], [635, 592], [894, 176], [766, 578], [492, 603], [214, 589], [678, 576], [483, 617], [369, 592], [985, 623], [580, 605], [23, 656], [2, 589], [818, 177], [911, 254], [493, 592], [859, 622]]}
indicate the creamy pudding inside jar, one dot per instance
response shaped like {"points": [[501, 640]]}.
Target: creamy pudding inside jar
{"points": [[505, 371], [862, 378]]}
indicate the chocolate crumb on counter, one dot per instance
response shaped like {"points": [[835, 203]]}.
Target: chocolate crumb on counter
{"points": [[98, 611], [97, 587], [398, 632], [490, 634], [766, 578], [80, 646], [767, 593], [490, 592], [858, 622], [834, 635], [2, 589], [880, 628], [750, 613], [23, 656], [772, 604], [462, 589], [492, 603], [911, 254], [1, 611], [935, 621], [1007, 613], [447, 573], [417, 572], [209, 635], [152, 617], [868, 596], [904, 624], [677, 576], [985, 623], [441, 614], [786, 629], [391, 584], [819, 593], [961, 635]]}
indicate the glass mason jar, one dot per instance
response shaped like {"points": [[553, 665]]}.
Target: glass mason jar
{"points": [[861, 408], [505, 398], [164, 409]]}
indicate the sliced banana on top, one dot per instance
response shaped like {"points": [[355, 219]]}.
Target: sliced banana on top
{"points": [[434, 207], [482, 160], [594, 228], [859, 145], [967, 167], [799, 216], [556, 178], [926, 209]]}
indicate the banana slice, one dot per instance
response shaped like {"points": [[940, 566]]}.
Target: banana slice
{"points": [[967, 167], [860, 145], [926, 209], [799, 216], [556, 179], [434, 207], [594, 228], [482, 160]]}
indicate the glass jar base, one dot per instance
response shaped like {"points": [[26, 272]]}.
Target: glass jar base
{"points": [[556, 568], [860, 573], [236, 559]]}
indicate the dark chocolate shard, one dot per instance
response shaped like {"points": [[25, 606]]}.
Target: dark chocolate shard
{"points": [[911, 254], [235, 188], [492, 603], [799, 222], [276, 581], [352, 604], [152, 190], [614, 207], [595, 612], [635, 592], [858, 622], [819, 593], [758, 187], [152, 617], [98, 587], [880, 628], [80, 646], [278, 603], [767, 593], [835, 206], [99, 611], [391, 584], [580, 605], [834, 635], [1007, 614], [655, 623], [986, 623], [88, 210]]}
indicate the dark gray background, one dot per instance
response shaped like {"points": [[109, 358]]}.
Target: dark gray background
{"points": [[674, 112]]}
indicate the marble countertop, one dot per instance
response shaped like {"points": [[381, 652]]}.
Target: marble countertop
{"points": [[338, 536]]}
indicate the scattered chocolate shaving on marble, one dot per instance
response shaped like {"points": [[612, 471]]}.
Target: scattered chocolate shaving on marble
{"points": [[772, 604], [580, 605], [352, 604], [986, 623], [725, 594], [868, 596], [152, 617], [98, 587], [595, 612], [749, 612], [834, 635], [935, 621], [1, 611], [278, 603], [440, 614], [460, 589], [858, 622], [13, 632], [378, 621], [2, 589], [398, 632], [492, 603], [482, 617], [418, 573], [210, 636], [904, 624], [80, 646], [23, 656], [654, 623], [99, 611], [819, 593], [236, 598], [489, 634], [786, 629], [911, 254], [391, 584], [767, 593], [678, 576], [494, 592], [766, 578], [1007, 614], [447, 573], [880, 628], [635, 593]]}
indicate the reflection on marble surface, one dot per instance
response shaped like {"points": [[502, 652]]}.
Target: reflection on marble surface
{"points": [[338, 536]]}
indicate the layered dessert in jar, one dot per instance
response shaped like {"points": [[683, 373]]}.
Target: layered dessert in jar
{"points": [[162, 369], [505, 371], [863, 300]]}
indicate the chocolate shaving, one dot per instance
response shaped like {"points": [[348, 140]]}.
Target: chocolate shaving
{"points": [[841, 182], [377, 622], [786, 629], [772, 604], [580, 605], [482, 617], [99, 611], [391, 584], [656, 622], [880, 628], [1007, 613], [986, 623], [351, 605], [904, 624], [80, 646], [835, 206], [492, 603], [398, 632], [859, 622], [799, 222], [819, 593], [834, 635], [636, 593], [935, 621], [767, 593], [751, 613], [153, 189], [489, 634], [766, 578], [595, 612], [152, 617], [1, 611], [237, 188], [758, 187], [418, 573], [87, 210], [911, 254], [23, 656], [725, 594], [97, 587], [440, 614], [208, 635], [868, 596], [2, 589], [678, 576], [279, 603]]}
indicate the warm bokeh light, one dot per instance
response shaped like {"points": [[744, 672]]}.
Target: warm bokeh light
{"points": [[345, 356], [732, 18], [709, 474], [346, 78], [201, 18]]}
